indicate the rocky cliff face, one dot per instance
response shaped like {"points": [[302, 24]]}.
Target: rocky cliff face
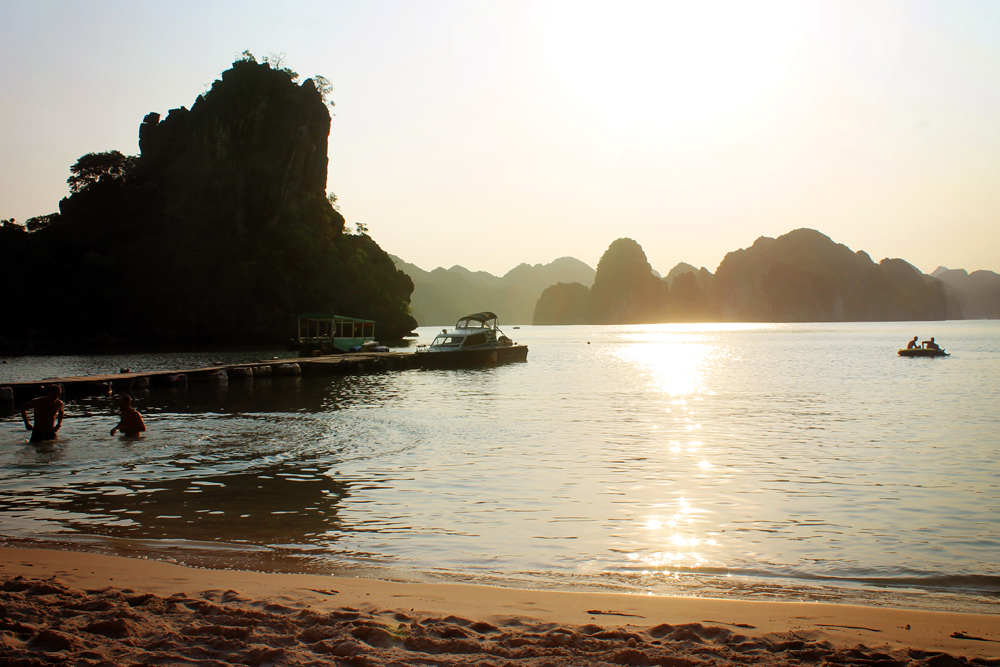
{"points": [[241, 219], [803, 276], [625, 289], [220, 231], [249, 154], [563, 303]]}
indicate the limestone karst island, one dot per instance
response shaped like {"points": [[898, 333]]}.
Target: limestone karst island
{"points": [[220, 231]]}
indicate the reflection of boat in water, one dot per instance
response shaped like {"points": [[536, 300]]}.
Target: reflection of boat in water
{"points": [[922, 352], [476, 340]]}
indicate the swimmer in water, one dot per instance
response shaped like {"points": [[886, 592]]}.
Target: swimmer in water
{"points": [[47, 410], [131, 424]]}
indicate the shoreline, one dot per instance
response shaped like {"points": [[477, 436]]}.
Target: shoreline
{"points": [[694, 585], [70, 604]]}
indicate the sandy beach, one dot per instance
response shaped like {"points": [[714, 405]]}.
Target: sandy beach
{"points": [[59, 607]]}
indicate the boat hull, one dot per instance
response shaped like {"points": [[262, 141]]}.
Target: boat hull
{"points": [[921, 352], [489, 356]]}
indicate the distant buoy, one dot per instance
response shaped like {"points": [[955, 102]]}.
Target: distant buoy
{"points": [[588, 342]]}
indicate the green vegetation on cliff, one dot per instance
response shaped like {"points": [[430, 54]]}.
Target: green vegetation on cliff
{"points": [[219, 231]]}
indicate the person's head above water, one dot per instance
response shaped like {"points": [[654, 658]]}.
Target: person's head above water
{"points": [[53, 390], [125, 400]]}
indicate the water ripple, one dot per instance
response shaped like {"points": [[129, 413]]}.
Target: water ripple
{"points": [[735, 460]]}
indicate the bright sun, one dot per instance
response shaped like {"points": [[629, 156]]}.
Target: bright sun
{"points": [[671, 63]]}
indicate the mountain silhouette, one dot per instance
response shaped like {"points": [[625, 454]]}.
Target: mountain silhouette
{"points": [[977, 293], [220, 231], [442, 296], [801, 276]]}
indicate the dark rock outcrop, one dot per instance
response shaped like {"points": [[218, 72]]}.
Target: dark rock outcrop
{"points": [[625, 290], [803, 276], [563, 303], [690, 291], [220, 231], [679, 270], [240, 217]]}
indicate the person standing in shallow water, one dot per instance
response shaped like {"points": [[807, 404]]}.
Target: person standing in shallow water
{"points": [[47, 410], [131, 424]]}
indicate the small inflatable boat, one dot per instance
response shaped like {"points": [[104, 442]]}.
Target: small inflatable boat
{"points": [[922, 352]]}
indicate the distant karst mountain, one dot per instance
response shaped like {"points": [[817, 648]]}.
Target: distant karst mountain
{"points": [[563, 303], [802, 276], [977, 293], [442, 296], [625, 288]]}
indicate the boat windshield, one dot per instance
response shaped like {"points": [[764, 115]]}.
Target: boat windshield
{"points": [[447, 340]]}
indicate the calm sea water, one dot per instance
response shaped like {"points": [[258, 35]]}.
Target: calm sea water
{"points": [[768, 461]]}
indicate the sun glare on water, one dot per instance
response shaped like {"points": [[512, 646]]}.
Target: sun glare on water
{"points": [[673, 363]]}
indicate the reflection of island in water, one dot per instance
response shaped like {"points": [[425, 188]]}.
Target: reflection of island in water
{"points": [[309, 394], [271, 507], [296, 394]]}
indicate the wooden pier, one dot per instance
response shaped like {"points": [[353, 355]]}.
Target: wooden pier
{"points": [[358, 363]]}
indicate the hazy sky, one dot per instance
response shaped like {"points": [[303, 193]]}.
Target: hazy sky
{"points": [[492, 133]]}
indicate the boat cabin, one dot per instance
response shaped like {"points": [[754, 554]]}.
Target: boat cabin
{"points": [[334, 331], [472, 331], [454, 340]]}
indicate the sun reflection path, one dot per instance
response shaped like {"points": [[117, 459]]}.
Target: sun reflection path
{"points": [[673, 362], [676, 365], [685, 550]]}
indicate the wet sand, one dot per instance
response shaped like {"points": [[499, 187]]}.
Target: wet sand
{"points": [[61, 607]]}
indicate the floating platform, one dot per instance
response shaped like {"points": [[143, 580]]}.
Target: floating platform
{"points": [[358, 363]]}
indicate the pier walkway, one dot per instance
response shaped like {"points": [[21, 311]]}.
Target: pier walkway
{"points": [[354, 363]]}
